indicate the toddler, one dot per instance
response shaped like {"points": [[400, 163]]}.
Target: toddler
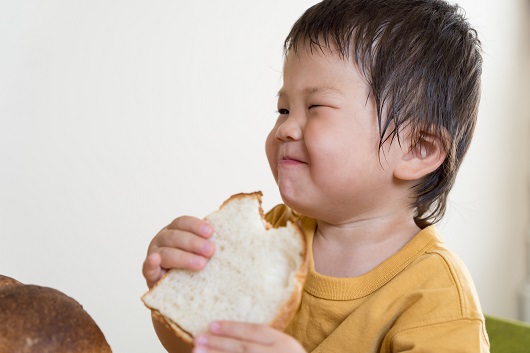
{"points": [[376, 112]]}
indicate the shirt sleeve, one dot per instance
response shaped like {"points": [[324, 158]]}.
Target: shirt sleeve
{"points": [[462, 336]]}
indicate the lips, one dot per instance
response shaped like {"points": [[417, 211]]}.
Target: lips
{"points": [[292, 154], [291, 160]]}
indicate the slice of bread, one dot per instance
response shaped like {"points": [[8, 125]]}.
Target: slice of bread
{"points": [[256, 274]]}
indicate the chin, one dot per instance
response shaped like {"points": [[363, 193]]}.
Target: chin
{"points": [[294, 204], [289, 198]]}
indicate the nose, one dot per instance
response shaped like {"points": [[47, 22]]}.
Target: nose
{"points": [[290, 129]]}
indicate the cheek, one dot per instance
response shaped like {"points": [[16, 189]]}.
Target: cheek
{"points": [[329, 147], [340, 155], [271, 149]]}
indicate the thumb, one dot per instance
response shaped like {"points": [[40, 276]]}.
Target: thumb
{"points": [[152, 270]]}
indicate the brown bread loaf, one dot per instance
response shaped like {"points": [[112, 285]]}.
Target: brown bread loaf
{"points": [[36, 319]]}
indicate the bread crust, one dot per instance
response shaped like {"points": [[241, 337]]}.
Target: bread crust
{"points": [[285, 313], [8, 281], [257, 195], [175, 328]]}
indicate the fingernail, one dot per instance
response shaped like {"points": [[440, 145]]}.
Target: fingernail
{"points": [[205, 230], [199, 350], [215, 327], [198, 261], [153, 259], [206, 246], [200, 340]]}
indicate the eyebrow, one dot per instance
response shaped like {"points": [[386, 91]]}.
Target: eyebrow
{"points": [[316, 90]]}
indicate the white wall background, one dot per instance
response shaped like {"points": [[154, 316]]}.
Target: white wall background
{"points": [[116, 116]]}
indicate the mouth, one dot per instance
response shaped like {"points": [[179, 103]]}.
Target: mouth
{"points": [[290, 160]]}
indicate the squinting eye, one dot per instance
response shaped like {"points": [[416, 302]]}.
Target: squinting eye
{"points": [[283, 111], [314, 106]]}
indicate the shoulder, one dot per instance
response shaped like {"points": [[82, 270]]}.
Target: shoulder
{"points": [[440, 296], [447, 271], [438, 274]]}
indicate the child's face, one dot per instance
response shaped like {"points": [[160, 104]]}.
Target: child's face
{"points": [[323, 148]]}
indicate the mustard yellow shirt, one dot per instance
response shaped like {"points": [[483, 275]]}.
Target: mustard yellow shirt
{"points": [[422, 299]]}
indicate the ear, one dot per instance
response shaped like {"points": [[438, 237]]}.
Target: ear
{"points": [[422, 158]]}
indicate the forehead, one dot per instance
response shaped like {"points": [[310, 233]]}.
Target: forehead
{"points": [[320, 70]]}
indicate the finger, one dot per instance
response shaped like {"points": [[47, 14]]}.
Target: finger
{"points": [[207, 343], [260, 334], [184, 241], [176, 258], [192, 225]]}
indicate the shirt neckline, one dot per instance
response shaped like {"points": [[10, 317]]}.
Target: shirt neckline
{"points": [[335, 288]]}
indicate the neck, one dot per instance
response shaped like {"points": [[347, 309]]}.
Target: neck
{"points": [[360, 245]]}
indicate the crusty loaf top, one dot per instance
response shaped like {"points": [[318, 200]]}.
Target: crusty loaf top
{"points": [[36, 319]]}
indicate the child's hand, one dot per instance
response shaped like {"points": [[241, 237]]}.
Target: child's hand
{"points": [[236, 337], [182, 244]]}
